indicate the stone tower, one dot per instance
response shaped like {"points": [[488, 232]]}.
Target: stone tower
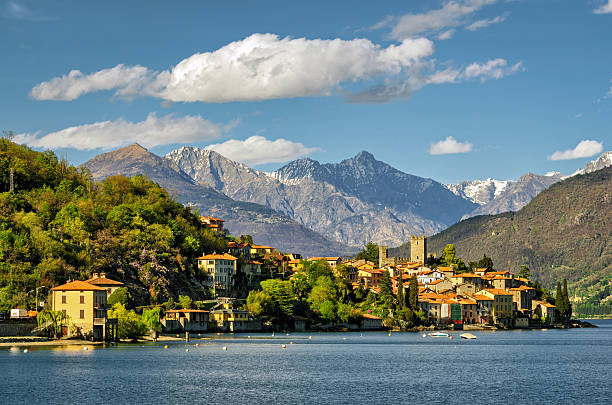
{"points": [[418, 248], [382, 255]]}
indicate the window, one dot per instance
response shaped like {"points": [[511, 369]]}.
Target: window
{"points": [[63, 300], [82, 299], [64, 311], [82, 314]]}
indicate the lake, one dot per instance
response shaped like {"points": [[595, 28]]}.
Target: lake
{"points": [[552, 366]]}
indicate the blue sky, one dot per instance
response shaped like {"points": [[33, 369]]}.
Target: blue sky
{"points": [[453, 90]]}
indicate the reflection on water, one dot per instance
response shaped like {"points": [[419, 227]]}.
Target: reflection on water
{"points": [[509, 367]]}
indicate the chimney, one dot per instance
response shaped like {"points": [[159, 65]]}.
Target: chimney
{"points": [[102, 275], [95, 275]]}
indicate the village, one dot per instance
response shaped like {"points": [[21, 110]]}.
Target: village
{"points": [[447, 298]]}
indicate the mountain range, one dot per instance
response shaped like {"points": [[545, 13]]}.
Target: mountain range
{"points": [[355, 201], [263, 223]]}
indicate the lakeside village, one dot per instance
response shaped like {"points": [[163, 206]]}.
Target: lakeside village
{"points": [[286, 292]]}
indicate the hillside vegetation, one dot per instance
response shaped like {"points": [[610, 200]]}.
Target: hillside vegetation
{"points": [[564, 232], [59, 224]]}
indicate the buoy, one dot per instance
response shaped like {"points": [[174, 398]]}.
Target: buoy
{"points": [[389, 333], [310, 337], [197, 345], [25, 350], [343, 338], [424, 335], [284, 346], [287, 334], [224, 347], [248, 337], [165, 346], [450, 337], [361, 335], [290, 343], [177, 335], [86, 348]]}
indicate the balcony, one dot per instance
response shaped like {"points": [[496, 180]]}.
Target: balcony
{"points": [[99, 321]]}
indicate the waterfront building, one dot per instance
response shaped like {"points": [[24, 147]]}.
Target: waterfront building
{"points": [[484, 308], [185, 320], [220, 271], [544, 309], [100, 280], [85, 306], [502, 305]]}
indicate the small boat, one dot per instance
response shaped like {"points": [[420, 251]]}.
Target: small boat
{"points": [[467, 336], [438, 334]]}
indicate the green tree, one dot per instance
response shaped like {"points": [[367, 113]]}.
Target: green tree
{"points": [[151, 318], [386, 288], [559, 301], [168, 305], [567, 305], [120, 295], [369, 253], [185, 302], [400, 292], [328, 311], [525, 272], [324, 290], [449, 258], [52, 321], [131, 325], [413, 293], [259, 303], [248, 239], [283, 299]]}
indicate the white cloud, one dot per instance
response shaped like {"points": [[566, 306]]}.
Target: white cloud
{"points": [[259, 67], [449, 146], [586, 148], [446, 35], [154, 131], [258, 150], [452, 14], [75, 84], [492, 69], [15, 10], [605, 8], [485, 23]]}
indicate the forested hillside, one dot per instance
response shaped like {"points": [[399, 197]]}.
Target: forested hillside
{"points": [[564, 232], [59, 224]]}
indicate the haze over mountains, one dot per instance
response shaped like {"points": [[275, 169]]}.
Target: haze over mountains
{"points": [[355, 201]]}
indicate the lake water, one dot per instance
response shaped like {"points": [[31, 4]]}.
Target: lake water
{"points": [[553, 366]]}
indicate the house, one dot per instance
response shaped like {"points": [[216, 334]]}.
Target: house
{"points": [[239, 249], [109, 285], [230, 319], [370, 278], [522, 297], [502, 282], [220, 271], [484, 308], [185, 320], [370, 322], [467, 278], [469, 310], [85, 306], [261, 250], [502, 305], [446, 271], [440, 285], [427, 276], [215, 224], [332, 261], [544, 310], [465, 289]]}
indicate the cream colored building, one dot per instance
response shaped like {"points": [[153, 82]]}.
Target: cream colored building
{"points": [[100, 280], [85, 306], [220, 271]]}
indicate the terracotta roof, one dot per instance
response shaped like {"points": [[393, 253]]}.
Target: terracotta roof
{"points": [[436, 282], [103, 281], [261, 247], [185, 310], [254, 262], [78, 286], [369, 316], [480, 297], [445, 268], [497, 291], [224, 256], [323, 258], [211, 218], [470, 275]]}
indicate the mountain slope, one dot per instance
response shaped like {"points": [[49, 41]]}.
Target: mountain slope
{"points": [[355, 201], [564, 232], [263, 223], [479, 192]]}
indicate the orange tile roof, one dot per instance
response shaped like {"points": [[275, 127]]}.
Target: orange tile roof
{"points": [[210, 218], [497, 291], [445, 268], [185, 310], [436, 282], [261, 247], [103, 281], [369, 316], [224, 256], [480, 297], [78, 286], [324, 258], [470, 275]]}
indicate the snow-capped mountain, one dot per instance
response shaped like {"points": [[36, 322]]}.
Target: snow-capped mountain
{"points": [[480, 192]]}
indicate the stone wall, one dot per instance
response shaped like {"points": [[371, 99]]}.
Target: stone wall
{"points": [[18, 328]]}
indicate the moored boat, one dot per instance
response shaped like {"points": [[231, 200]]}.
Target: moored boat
{"points": [[467, 336], [438, 334]]}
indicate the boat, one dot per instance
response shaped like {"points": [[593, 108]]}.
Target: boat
{"points": [[438, 334], [467, 336]]}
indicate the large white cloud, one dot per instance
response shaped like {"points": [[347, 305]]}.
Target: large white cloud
{"points": [[586, 148], [154, 131], [449, 146], [605, 8], [261, 66], [258, 150], [451, 14]]}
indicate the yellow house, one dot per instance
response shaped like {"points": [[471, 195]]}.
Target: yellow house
{"points": [[502, 305], [213, 223], [84, 305]]}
